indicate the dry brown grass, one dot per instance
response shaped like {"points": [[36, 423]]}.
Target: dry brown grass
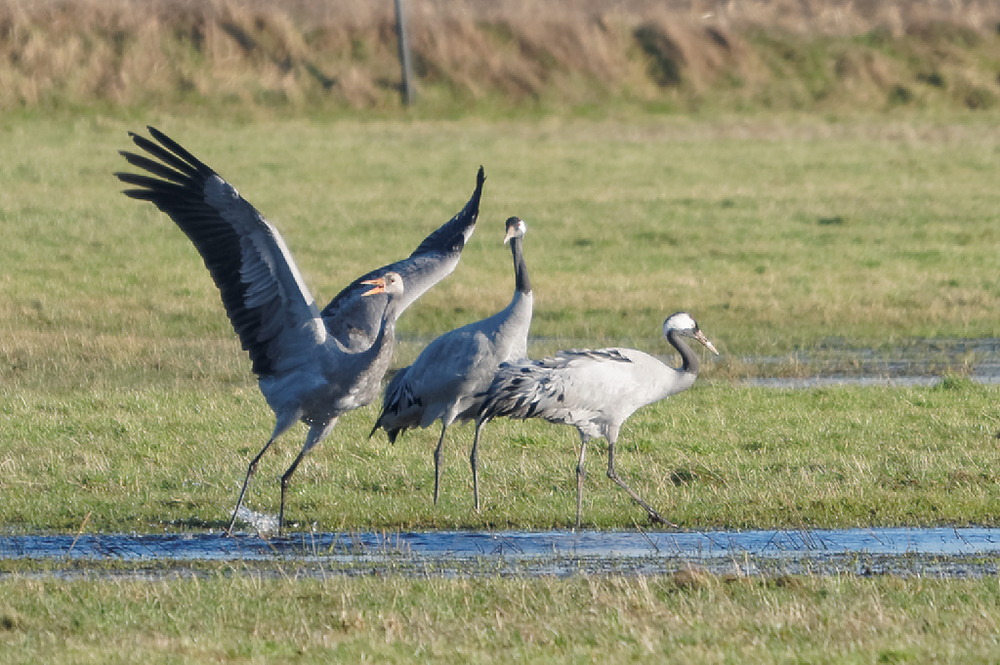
{"points": [[309, 54]]}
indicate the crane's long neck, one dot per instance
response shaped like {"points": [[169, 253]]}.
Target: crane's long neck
{"points": [[521, 281], [512, 323], [689, 359], [673, 380], [377, 356]]}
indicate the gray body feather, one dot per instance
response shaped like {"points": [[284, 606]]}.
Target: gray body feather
{"points": [[593, 390], [448, 379]]}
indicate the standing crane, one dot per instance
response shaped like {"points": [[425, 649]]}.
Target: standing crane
{"points": [[448, 380], [311, 366], [595, 391]]}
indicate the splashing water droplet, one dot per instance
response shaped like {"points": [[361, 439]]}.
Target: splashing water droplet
{"points": [[264, 524]]}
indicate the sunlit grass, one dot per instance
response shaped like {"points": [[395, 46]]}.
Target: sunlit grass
{"points": [[716, 457], [775, 240], [126, 404], [237, 616], [125, 395]]}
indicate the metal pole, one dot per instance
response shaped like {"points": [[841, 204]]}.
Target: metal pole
{"points": [[404, 54]]}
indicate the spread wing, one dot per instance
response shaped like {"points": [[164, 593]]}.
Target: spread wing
{"points": [[354, 320], [267, 301]]}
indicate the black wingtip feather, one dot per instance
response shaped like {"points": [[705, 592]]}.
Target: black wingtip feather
{"points": [[140, 194], [154, 167], [451, 236], [178, 150], [174, 180], [196, 169]]}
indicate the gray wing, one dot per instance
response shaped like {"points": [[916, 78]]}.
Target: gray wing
{"points": [[267, 302], [571, 387], [354, 320]]}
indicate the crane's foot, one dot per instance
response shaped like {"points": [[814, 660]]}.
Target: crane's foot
{"points": [[232, 522]]}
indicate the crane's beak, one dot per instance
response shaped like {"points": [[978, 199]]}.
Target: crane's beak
{"points": [[379, 285], [515, 227], [700, 336]]}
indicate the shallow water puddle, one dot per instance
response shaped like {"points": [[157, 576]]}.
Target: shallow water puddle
{"points": [[861, 380], [518, 545], [914, 363]]}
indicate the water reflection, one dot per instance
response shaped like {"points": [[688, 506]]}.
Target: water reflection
{"points": [[508, 545], [913, 363], [862, 380]]}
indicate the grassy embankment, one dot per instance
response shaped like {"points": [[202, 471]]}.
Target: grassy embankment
{"points": [[500, 58]]}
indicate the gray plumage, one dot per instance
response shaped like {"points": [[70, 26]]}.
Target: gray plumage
{"points": [[311, 366], [595, 391], [448, 380]]}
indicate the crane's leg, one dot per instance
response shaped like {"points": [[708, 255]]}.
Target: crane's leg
{"points": [[250, 472], [316, 434], [474, 462], [280, 427], [580, 475], [437, 462], [613, 475]]}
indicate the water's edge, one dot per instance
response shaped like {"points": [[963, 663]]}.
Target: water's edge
{"points": [[941, 552]]}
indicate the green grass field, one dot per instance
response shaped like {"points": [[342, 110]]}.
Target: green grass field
{"points": [[716, 457], [127, 405], [126, 396], [687, 618]]}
